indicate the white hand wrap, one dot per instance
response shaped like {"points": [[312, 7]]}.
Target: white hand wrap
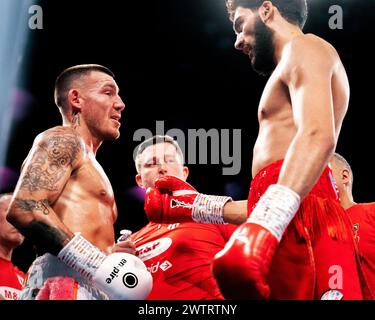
{"points": [[209, 209], [82, 256], [276, 209]]}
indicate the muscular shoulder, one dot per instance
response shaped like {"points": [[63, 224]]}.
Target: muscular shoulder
{"points": [[62, 143], [310, 54]]}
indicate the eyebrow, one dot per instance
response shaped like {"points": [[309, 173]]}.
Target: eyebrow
{"points": [[152, 158], [112, 86], [169, 155]]}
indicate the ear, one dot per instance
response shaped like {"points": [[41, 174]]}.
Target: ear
{"points": [[345, 176], [75, 100], [185, 172], [266, 11], [138, 179]]}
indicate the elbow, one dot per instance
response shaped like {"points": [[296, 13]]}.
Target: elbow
{"points": [[327, 144], [12, 216], [15, 217], [321, 140]]}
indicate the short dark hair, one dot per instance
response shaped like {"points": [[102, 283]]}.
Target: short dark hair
{"points": [[64, 80], [152, 141], [294, 11]]}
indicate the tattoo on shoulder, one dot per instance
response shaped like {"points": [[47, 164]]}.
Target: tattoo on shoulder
{"points": [[54, 156], [30, 205]]}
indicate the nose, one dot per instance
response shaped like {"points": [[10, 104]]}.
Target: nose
{"points": [[239, 44], [119, 104], [163, 168]]}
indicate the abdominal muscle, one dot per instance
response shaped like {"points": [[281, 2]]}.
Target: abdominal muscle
{"points": [[90, 216], [273, 141]]}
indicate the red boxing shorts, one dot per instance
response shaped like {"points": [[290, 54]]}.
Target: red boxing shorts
{"points": [[317, 257]]}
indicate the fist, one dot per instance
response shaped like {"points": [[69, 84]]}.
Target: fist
{"points": [[123, 276], [171, 201]]}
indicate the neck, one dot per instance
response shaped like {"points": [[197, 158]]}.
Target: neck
{"points": [[284, 33], [91, 141], [346, 200], [6, 253]]}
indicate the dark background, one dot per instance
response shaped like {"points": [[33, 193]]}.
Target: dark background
{"points": [[174, 61]]}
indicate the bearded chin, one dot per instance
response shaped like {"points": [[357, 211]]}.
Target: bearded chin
{"points": [[263, 49]]}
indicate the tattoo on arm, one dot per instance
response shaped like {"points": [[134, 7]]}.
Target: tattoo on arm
{"points": [[51, 161], [45, 237], [31, 205]]}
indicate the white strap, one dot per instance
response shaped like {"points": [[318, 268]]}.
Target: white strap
{"points": [[275, 209], [82, 256], [209, 209]]}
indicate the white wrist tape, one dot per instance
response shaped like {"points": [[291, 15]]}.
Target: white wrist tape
{"points": [[82, 256], [275, 209], [209, 209]]}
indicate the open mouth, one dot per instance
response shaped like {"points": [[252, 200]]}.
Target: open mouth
{"points": [[116, 118]]}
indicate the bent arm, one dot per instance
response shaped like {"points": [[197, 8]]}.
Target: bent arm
{"points": [[45, 173], [309, 83]]}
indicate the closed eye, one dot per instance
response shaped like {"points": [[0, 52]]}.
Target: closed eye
{"points": [[151, 163], [237, 25]]}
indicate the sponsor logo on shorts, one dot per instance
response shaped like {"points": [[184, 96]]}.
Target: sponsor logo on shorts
{"points": [[154, 248], [332, 295]]}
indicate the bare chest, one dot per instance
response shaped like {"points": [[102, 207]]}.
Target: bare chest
{"points": [[275, 99], [91, 181]]}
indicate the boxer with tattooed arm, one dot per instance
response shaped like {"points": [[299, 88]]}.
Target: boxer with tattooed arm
{"points": [[64, 202]]}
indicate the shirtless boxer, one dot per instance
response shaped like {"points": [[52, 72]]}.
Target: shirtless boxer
{"points": [[64, 202], [300, 116]]}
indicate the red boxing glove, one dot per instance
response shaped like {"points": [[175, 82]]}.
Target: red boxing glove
{"points": [[242, 267], [173, 200]]}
